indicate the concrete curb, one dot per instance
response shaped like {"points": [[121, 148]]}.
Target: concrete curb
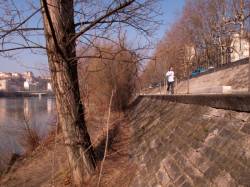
{"points": [[236, 102]]}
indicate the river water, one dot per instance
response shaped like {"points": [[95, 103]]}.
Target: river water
{"points": [[15, 113]]}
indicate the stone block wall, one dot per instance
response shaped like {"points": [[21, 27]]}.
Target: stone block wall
{"points": [[177, 144]]}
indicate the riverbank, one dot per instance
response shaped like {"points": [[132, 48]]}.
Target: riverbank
{"points": [[48, 164], [24, 121]]}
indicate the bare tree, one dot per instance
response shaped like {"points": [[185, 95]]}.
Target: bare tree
{"points": [[66, 24], [207, 26], [240, 16]]}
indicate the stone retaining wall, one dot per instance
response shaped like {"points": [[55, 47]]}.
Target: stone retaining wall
{"points": [[236, 102], [176, 144]]}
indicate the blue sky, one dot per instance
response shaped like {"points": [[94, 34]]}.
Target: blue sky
{"points": [[25, 61], [171, 10]]}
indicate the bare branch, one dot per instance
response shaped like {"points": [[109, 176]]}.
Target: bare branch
{"points": [[20, 48], [98, 20], [20, 24]]}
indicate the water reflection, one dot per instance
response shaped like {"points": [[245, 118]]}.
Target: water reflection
{"points": [[26, 108], [2, 110], [50, 103], [14, 112]]}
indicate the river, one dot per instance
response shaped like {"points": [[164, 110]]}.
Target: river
{"points": [[15, 113]]}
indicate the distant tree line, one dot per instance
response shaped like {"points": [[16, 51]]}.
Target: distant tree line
{"points": [[201, 37]]}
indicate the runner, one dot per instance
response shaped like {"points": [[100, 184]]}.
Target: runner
{"points": [[170, 80]]}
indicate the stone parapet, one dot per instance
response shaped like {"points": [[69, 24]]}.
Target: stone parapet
{"points": [[236, 102]]}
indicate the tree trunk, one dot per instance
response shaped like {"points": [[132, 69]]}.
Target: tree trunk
{"points": [[248, 38], [59, 27]]}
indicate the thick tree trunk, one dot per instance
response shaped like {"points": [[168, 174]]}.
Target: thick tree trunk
{"points": [[59, 28]]}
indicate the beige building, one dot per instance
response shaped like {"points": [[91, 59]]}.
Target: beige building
{"points": [[49, 87], [26, 81], [16, 75], [10, 85], [240, 48], [3, 85], [31, 86], [4, 75], [28, 76], [189, 53]]}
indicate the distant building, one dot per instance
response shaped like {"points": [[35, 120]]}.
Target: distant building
{"points": [[26, 85], [4, 75], [240, 48], [189, 53], [45, 77], [31, 86], [26, 81], [3, 85], [10, 85], [16, 75], [29, 76], [49, 87]]}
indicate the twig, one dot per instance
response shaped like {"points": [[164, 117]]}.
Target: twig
{"points": [[53, 161], [106, 142], [20, 24]]}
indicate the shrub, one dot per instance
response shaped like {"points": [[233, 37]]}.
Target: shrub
{"points": [[115, 70], [29, 136]]}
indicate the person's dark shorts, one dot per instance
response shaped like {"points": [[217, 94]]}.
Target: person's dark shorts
{"points": [[170, 85]]}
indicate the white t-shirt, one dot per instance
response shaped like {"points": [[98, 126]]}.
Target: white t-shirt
{"points": [[170, 76]]}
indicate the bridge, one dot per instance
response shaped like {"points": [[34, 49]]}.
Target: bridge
{"points": [[34, 93], [26, 94]]}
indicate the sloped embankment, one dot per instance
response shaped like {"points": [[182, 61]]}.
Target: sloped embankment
{"points": [[176, 144], [158, 143]]}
